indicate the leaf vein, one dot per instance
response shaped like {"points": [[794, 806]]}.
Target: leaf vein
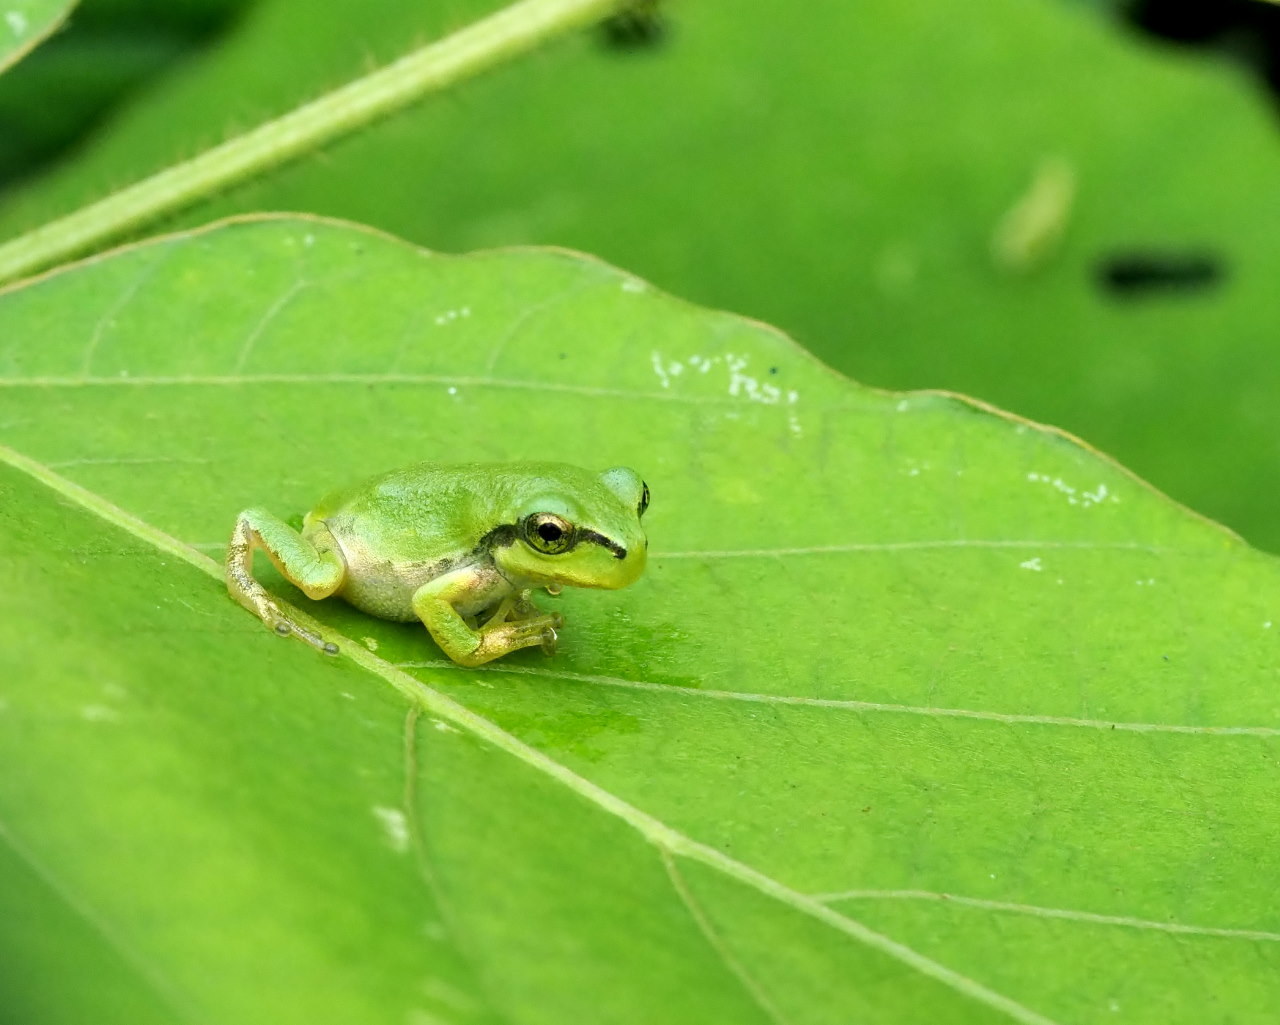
{"points": [[1039, 911], [269, 315], [736, 968], [1010, 718], [422, 853], [167, 994], [115, 309], [469, 381], [531, 311], [925, 543]]}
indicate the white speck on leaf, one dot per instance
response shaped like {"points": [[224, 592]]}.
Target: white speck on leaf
{"points": [[1267, 625], [444, 727], [99, 713], [395, 826], [370, 642], [744, 385], [903, 405], [17, 22], [656, 359], [308, 240], [634, 285], [1033, 564], [1085, 499]]}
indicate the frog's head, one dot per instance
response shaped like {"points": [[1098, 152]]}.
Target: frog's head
{"points": [[577, 529]]}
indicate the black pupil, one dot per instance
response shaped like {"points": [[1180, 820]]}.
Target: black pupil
{"points": [[549, 532]]}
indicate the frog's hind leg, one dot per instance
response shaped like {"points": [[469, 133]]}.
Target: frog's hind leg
{"points": [[313, 563]]}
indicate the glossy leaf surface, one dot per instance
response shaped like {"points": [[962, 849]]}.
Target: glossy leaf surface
{"points": [[920, 714]]}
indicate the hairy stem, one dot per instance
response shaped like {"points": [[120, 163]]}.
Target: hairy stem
{"points": [[511, 31]]}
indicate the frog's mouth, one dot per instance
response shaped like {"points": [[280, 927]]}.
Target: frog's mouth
{"points": [[595, 538]]}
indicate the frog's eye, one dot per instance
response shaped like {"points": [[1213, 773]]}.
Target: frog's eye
{"points": [[547, 533], [644, 499]]}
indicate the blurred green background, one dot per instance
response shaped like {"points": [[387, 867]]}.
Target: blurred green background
{"points": [[841, 170]]}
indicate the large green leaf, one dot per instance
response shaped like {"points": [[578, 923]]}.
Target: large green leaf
{"points": [[24, 23], [920, 714], [842, 179]]}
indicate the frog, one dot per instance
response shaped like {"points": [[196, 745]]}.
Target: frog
{"points": [[460, 547]]}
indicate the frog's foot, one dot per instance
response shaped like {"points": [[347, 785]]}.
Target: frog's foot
{"points": [[286, 627], [519, 608], [256, 600], [498, 639]]}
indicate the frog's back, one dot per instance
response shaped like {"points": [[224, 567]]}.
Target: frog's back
{"points": [[414, 513]]}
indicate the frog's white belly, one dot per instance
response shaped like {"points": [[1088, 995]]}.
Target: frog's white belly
{"points": [[386, 590], [385, 587]]}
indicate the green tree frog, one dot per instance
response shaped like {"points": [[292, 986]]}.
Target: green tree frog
{"points": [[459, 547]]}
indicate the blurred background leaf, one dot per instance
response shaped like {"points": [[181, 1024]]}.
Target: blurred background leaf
{"points": [[62, 90], [25, 23], [842, 175]]}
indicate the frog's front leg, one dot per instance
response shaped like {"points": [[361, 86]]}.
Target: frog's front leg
{"points": [[514, 622], [313, 563]]}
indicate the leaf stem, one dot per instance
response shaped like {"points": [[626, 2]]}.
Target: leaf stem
{"points": [[512, 31]]}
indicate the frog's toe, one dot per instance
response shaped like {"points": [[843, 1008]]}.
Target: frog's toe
{"points": [[549, 640], [532, 630], [524, 608]]}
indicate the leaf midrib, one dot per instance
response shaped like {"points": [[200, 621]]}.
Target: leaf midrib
{"points": [[667, 840]]}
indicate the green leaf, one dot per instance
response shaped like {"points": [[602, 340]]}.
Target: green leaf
{"points": [[844, 183], [921, 713], [24, 23]]}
